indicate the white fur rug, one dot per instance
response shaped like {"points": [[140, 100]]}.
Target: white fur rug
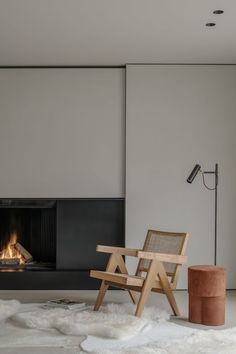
{"points": [[8, 308], [113, 330], [168, 338], [113, 321]]}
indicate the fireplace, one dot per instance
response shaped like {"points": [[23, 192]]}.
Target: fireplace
{"points": [[27, 235], [51, 243]]}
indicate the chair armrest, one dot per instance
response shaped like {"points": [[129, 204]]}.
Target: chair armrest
{"points": [[163, 257], [118, 250]]}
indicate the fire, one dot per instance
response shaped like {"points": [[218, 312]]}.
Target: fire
{"points": [[11, 252]]}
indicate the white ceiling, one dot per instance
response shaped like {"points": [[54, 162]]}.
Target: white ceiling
{"points": [[116, 32]]}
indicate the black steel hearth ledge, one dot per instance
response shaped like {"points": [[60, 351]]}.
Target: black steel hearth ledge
{"points": [[50, 280]]}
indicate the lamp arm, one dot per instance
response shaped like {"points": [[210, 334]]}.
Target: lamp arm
{"points": [[216, 178]]}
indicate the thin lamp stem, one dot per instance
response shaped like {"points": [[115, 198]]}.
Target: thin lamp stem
{"points": [[216, 205]]}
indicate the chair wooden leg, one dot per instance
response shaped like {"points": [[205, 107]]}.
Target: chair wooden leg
{"points": [[111, 267], [133, 297], [172, 302], [147, 287], [167, 289], [100, 297], [142, 301], [122, 268]]}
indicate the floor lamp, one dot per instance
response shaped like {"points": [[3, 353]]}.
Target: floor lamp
{"points": [[193, 174]]}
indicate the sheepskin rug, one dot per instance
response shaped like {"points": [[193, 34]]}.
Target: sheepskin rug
{"points": [[113, 330], [113, 321], [8, 308], [197, 342]]}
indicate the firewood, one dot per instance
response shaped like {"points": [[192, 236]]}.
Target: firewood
{"points": [[9, 261], [27, 256]]}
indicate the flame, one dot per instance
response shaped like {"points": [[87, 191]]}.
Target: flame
{"points": [[11, 251]]}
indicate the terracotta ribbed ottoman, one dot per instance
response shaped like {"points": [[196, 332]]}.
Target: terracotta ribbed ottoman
{"points": [[206, 288]]}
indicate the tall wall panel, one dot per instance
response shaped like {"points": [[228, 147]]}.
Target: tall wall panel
{"points": [[177, 116]]}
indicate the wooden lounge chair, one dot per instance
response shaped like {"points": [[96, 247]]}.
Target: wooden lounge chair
{"points": [[158, 269]]}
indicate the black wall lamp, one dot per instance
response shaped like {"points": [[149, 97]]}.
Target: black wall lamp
{"points": [[190, 179]]}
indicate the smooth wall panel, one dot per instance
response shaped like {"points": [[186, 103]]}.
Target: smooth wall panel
{"points": [[177, 116], [62, 132]]}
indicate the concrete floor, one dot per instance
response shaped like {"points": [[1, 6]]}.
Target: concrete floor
{"points": [[112, 296], [38, 350], [122, 296]]}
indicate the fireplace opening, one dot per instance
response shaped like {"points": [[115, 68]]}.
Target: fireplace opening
{"points": [[27, 237], [50, 244]]}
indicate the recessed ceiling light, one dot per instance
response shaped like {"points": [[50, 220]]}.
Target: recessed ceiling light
{"points": [[218, 12], [210, 24]]}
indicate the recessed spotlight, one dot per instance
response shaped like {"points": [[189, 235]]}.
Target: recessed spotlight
{"points": [[218, 12], [210, 24]]}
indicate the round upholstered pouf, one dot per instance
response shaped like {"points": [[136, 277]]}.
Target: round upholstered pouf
{"points": [[206, 288]]}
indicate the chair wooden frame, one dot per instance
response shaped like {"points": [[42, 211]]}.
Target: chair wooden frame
{"points": [[156, 279]]}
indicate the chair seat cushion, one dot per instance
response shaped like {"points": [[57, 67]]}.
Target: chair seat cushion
{"points": [[125, 279], [117, 278]]}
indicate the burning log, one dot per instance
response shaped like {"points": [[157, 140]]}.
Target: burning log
{"points": [[26, 255], [14, 253]]}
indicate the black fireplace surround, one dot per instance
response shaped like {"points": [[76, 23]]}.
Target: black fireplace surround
{"points": [[61, 235]]}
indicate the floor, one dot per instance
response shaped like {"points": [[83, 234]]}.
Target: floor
{"points": [[122, 296], [42, 350], [112, 296]]}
